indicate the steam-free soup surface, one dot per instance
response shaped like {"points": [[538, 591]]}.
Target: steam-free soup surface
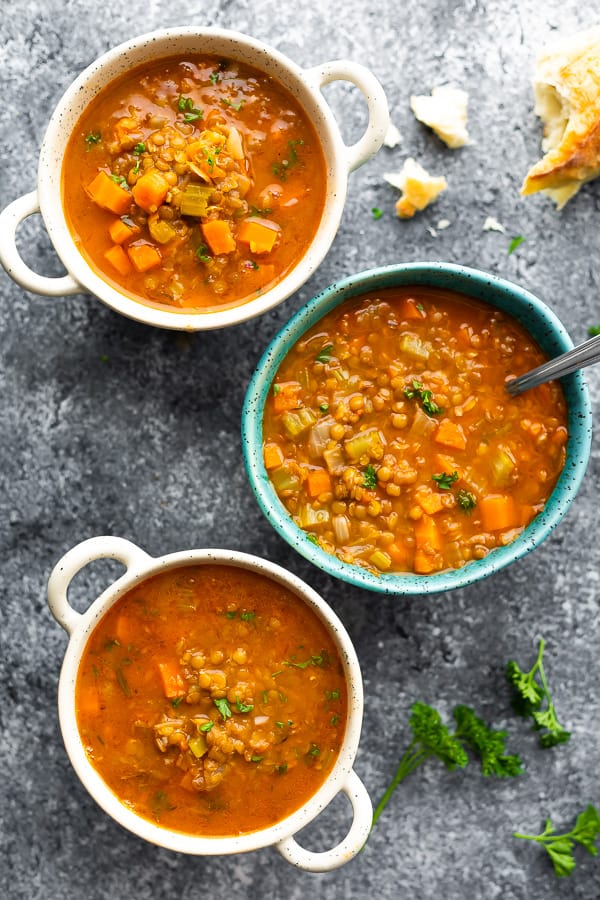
{"points": [[391, 440], [211, 700], [194, 183]]}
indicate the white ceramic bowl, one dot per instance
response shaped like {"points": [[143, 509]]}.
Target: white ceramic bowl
{"points": [[342, 778], [305, 85]]}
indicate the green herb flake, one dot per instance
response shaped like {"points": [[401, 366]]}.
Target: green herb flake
{"points": [[258, 211], [122, 682], [416, 390], [466, 500], [324, 355], [281, 770], [94, 137], [516, 242], [215, 77], [276, 389], [190, 112], [236, 106], [313, 539], [257, 759], [243, 707], [369, 478], [332, 695], [594, 330], [231, 614], [176, 701], [121, 181], [203, 254], [444, 480], [314, 750], [335, 719], [206, 727], [376, 213], [247, 616], [265, 697], [223, 707]]}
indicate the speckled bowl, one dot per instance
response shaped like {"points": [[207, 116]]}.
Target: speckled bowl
{"points": [[305, 84], [342, 777], [543, 325]]}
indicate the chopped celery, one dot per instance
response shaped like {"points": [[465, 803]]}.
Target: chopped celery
{"points": [[284, 479], [334, 459], [198, 745], [161, 231], [415, 347], [365, 443], [381, 560], [308, 517], [296, 422], [319, 436], [502, 467], [194, 201]]}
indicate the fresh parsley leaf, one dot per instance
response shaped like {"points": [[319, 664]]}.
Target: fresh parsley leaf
{"points": [[560, 846], [324, 354], [516, 241], [176, 701], [243, 707], [313, 539], [376, 213], [139, 148], [223, 707], [257, 759], [529, 695], [190, 112], [370, 478], [324, 407], [215, 77], [444, 480], [247, 616], [594, 330], [236, 106], [258, 211], [416, 390], [94, 137], [202, 253], [121, 181], [206, 727], [486, 743], [466, 500]]}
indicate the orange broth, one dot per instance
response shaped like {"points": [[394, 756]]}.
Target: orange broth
{"points": [[391, 440], [211, 700], [193, 183]]}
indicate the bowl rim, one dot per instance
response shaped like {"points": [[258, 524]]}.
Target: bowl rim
{"points": [[522, 305], [164, 43], [108, 800]]}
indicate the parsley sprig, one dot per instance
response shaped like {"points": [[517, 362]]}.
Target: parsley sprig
{"points": [[190, 112], [560, 846], [370, 478], [432, 738], [445, 480], [531, 692], [417, 390]]}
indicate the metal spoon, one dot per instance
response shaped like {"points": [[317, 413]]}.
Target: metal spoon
{"points": [[584, 355]]}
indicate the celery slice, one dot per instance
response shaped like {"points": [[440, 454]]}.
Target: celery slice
{"points": [[194, 201], [365, 443]]}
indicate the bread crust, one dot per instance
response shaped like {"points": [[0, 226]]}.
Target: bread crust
{"points": [[567, 91]]}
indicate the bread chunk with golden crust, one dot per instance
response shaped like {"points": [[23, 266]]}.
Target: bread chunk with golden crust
{"points": [[567, 99]]}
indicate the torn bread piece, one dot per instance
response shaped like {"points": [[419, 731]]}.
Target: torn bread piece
{"points": [[567, 100], [445, 111], [418, 187]]}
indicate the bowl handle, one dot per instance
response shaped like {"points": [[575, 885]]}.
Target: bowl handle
{"points": [[10, 258], [104, 547], [349, 846], [379, 117]]}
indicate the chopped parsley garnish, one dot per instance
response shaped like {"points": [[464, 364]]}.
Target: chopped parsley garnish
{"points": [[215, 77], [444, 480], [594, 330], [206, 727], [190, 112], [281, 769], [243, 707], [323, 407], [258, 211], [335, 719], [176, 701], [376, 212], [94, 137], [236, 106], [276, 389], [231, 614], [332, 695], [324, 355], [121, 181], [313, 539], [370, 478], [223, 707], [314, 750], [516, 241], [281, 169], [317, 659], [202, 253], [466, 500], [257, 758], [139, 148], [426, 397], [247, 616]]}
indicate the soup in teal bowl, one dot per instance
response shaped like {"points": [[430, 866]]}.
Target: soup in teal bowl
{"points": [[381, 443]]}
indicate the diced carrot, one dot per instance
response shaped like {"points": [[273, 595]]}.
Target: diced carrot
{"points": [[126, 630], [399, 553], [218, 236], [526, 513], [144, 256], [273, 456], [259, 234], [318, 482], [150, 190], [425, 563], [444, 463], [499, 511], [120, 231], [410, 309], [109, 195], [172, 681], [450, 435], [117, 257], [429, 502], [286, 396], [427, 534], [88, 701]]}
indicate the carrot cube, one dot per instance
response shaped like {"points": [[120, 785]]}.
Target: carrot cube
{"points": [[144, 256], [273, 456], [259, 234], [218, 236], [120, 231], [427, 534], [118, 259], [498, 512], [318, 481], [107, 194], [150, 190], [450, 435], [172, 682], [410, 309], [286, 396], [429, 502]]}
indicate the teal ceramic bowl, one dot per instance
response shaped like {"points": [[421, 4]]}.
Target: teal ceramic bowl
{"points": [[541, 323]]}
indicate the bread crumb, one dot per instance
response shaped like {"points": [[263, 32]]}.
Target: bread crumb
{"points": [[392, 137], [567, 100], [492, 224], [445, 111], [418, 187], [443, 224]]}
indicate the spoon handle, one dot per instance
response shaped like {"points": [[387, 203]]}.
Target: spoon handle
{"points": [[584, 355]]}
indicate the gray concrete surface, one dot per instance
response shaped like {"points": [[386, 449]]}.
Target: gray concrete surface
{"points": [[108, 426]]}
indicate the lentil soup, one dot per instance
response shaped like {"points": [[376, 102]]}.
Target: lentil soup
{"points": [[211, 700], [390, 439], [193, 183]]}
